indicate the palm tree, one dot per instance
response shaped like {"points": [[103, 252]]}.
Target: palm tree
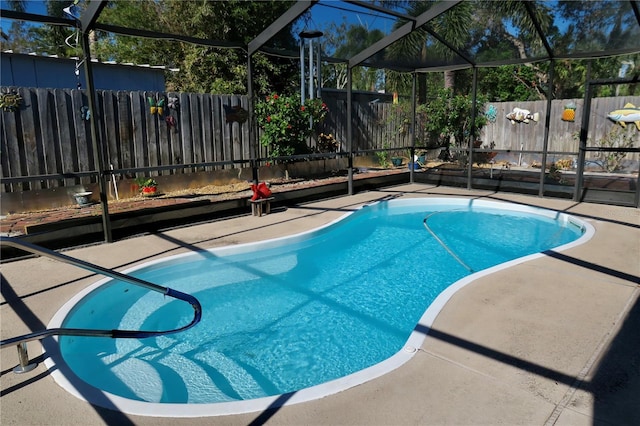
{"points": [[455, 27]]}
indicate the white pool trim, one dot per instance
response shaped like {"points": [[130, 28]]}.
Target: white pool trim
{"points": [[63, 375]]}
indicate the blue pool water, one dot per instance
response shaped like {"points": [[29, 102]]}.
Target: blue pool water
{"points": [[296, 312]]}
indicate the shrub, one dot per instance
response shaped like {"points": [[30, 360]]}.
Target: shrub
{"points": [[287, 125], [447, 118]]}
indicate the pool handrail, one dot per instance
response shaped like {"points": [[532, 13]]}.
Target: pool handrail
{"points": [[116, 334], [442, 243]]}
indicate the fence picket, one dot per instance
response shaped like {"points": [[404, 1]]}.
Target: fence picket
{"points": [[173, 132], [65, 142], [185, 127], [138, 105], [10, 160], [31, 156], [124, 129], [50, 133]]}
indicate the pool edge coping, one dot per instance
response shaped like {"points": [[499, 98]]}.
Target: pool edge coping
{"points": [[65, 378]]}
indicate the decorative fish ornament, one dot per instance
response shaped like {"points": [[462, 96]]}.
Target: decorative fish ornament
{"points": [[628, 114], [519, 115]]}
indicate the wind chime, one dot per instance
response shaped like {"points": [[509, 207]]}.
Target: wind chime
{"points": [[312, 73], [72, 11]]}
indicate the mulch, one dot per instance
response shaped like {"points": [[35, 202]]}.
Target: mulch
{"points": [[16, 224]]}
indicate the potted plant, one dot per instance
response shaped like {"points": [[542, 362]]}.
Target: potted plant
{"points": [[147, 186]]}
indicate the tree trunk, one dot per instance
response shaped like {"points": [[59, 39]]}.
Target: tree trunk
{"points": [[449, 79]]}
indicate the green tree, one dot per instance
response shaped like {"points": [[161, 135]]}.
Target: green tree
{"points": [[350, 42], [56, 39], [453, 26], [215, 70], [509, 83], [446, 117], [471, 26], [202, 69], [286, 125], [41, 38]]}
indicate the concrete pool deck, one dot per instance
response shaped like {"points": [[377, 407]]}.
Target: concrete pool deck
{"points": [[554, 340]]}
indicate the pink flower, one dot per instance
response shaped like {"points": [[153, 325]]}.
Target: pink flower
{"points": [[268, 119]]}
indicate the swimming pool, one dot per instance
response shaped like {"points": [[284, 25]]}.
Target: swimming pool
{"points": [[310, 314]]}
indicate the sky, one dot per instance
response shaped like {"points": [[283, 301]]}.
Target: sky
{"points": [[323, 13], [327, 11]]}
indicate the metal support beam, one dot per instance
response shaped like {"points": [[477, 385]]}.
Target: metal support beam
{"points": [[474, 114], [435, 11], [371, 6], [541, 34], [584, 133], [253, 129], [32, 17], [91, 14], [381, 44], [97, 148], [547, 121], [414, 98], [279, 24], [135, 32], [636, 9], [349, 131]]}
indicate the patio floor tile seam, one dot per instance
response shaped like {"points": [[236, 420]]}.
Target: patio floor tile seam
{"points": [[600, 350]]}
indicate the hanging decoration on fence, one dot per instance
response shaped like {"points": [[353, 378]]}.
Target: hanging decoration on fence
{"points": [[85, 114], [491, 114], [519, 115], [156, 107], [174, 103], [569, 113], [628, 114], [235, 113], [10, 101]]}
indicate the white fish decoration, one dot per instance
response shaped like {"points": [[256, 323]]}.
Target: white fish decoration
{"points": [[519, 115], [628, 114]]}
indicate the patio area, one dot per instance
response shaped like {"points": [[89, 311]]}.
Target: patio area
{"points": [[553, 340]]}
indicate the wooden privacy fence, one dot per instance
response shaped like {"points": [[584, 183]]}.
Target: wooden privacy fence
{"points": [[49, 134], [563, 135], [379, 125]]}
